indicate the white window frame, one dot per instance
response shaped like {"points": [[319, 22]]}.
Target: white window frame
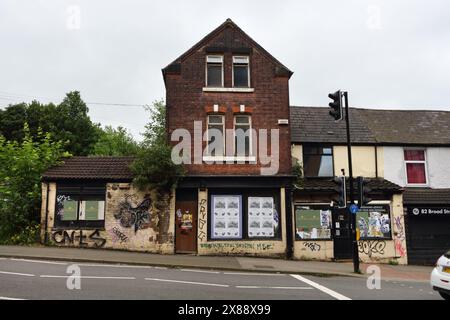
{"points": [[250, 138], [424, 162], [248, 70], [223, 134], [213, 62]]}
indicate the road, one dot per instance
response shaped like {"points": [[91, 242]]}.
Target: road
{"points": [[39, 279]]}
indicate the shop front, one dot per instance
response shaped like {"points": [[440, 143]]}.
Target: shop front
{"points": [[322, 232]]}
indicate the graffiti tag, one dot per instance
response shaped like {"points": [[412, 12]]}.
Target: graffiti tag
{"points": [[119, 235], [370, 247], [202, 220], [134, 217], [313, 246], [79, 238]]}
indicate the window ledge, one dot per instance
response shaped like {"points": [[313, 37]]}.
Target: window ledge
{"points": [[229, 159], [220, 89]]}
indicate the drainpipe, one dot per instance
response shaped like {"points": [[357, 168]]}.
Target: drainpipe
{"points": [[289, 236], [46, 214], [376, 161]]}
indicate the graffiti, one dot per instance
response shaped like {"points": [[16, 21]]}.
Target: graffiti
{"points": [[313, 246], [202, 220], [60, 204], [79, 238], [371, 247], [119, 235], [399, 237], [237, 246], [134, 217]]}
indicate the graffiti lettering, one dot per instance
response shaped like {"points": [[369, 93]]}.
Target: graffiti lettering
{"points": [[237, 245], [313, 246], [119, 235], [371, 247], [60, 203], [202, 220], [137, 217], [399, 237], [78, 238]]}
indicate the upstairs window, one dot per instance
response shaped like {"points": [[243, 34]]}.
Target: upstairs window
{"points": [[216, 136], [318, 161], [241, 72], [214, 71], [415, 163], [242, 135]]}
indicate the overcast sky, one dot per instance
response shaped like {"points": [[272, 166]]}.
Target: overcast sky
{"points": [[389, 54]]}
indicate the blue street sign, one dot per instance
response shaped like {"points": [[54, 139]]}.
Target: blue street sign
{"points": [[353, 208]]}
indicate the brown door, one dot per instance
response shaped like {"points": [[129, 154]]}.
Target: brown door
{"points": [[186, 226]]}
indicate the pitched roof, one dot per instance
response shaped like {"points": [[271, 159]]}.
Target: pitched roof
{"points": [[98, 168], [426, 196], [227, 24], [372, 126], [324, 184]]}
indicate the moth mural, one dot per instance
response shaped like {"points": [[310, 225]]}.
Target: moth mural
{"points": [[137, 217]]}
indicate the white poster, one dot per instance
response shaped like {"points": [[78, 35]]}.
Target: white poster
{"points": [[226, 217], [261, 219]]}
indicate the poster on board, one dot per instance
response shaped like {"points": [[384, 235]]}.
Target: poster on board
{"points": [[261, 219], [226, 222]]}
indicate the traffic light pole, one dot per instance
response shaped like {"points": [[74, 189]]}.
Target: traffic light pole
{"points": [[350, 181]]}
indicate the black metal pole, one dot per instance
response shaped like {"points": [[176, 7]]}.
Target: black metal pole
{"points": [[350, 181]]}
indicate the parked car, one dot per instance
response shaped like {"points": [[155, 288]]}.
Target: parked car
{"points": [[440, 277]]}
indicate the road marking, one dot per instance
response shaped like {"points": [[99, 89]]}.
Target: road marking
{"points": [[18, 274], [330, 292], [201, 271], [88, 277], [254, 274], [9, 298], [161, 268], [113, 266], [189, 282], [283, 288], [39, 261]]}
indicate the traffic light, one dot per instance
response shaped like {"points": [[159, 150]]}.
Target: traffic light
{"points": [[341, 200], [363, 192], [336, 105]]}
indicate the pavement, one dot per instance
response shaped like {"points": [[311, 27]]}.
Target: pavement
{"points": [[227, 263]]}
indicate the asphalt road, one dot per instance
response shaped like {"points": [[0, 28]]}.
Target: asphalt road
{"points": [[35, 279]]}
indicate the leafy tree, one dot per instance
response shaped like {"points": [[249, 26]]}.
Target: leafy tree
{"points": [[21, 166], [153, 167], [115, 142]]}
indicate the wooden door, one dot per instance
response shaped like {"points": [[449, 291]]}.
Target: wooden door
{"points": [[186, 226]]}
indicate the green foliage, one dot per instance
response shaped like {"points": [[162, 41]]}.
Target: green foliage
{"points": [[297, 171], [115, 142], [153, 167], [68, 122], [21, 166]]}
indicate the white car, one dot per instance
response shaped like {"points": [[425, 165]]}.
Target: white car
{"points": [[440, 277]]}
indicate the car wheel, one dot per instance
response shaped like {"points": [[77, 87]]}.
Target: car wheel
{"points": [[444, 295]]}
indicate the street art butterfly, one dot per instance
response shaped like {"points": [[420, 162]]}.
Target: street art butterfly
{"points": [[137, 217]]}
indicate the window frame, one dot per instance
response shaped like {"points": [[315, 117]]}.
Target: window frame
{"points": [[241, 64], [223, 134], [322, 146], [250, 149], [424, 162], [313, 206], [214, 63]]}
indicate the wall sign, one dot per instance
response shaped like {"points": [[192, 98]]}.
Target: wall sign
{"points": [[226, 213], [428, 211]]}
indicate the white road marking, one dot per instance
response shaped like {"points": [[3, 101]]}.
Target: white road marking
{"points": [[161, 268], [9, 298], [2, 258], [18, 274], [88, 277], [330, 292], [189, 282], [201, 271], [39, 261], [254, 274], [113, 266], [283, 288]]}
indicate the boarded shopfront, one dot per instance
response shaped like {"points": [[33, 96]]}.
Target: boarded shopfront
{"points": [[322, 232], [427, 224]]}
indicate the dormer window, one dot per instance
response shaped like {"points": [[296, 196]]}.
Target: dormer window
{"points": [[241, 72], [214, 71]]}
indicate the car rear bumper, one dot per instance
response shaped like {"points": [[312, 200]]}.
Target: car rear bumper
{"points": [[440, 281]]}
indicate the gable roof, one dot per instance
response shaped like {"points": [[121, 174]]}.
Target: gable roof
{"points": [[372, 126], [175, 65], [91, 168]]}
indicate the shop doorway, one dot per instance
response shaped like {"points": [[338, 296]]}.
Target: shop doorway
{"points": [[186, 221], [342, 241]]}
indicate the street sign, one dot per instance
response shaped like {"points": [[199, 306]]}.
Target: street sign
{"points": [[353, 208]]}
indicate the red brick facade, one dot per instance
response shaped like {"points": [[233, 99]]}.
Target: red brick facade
{"points": [[188, 102]]}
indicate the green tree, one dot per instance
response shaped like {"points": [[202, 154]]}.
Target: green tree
{"points": [[21, 166], [153, 167], [115, 142]]}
